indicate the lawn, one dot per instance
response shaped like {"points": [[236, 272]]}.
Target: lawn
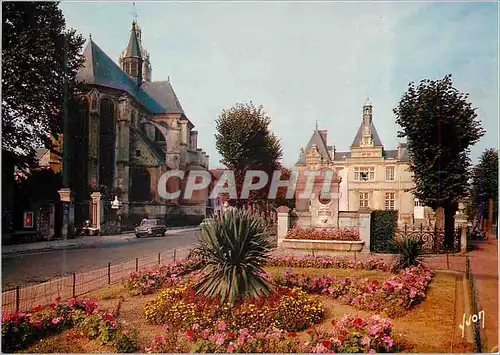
{"points": [[426, 327]]}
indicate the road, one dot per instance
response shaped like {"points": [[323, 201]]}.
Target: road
{"points": [[39, 266]]}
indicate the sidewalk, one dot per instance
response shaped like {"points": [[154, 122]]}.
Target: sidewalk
{"points": [[82, 242], [484, 267]]}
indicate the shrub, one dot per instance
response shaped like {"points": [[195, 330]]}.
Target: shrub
{"points": [[327, 262], [383, 224], [408, 252], [126, 341], [342, 233], [233, 250], [298, 311], [355, 335]]}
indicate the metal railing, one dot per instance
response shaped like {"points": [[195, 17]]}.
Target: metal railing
{"points": [[25, 298]]}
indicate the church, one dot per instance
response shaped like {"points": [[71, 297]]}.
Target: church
{"points": [[129, 130]]}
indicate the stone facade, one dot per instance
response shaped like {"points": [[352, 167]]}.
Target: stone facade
{"points": [[371, 176], [129, 131]]}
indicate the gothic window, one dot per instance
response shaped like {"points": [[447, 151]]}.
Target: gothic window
{"points": [[107, 144], [159, 136], [140, 189]]}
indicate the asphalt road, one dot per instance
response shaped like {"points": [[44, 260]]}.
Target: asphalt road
{"points": [[40, 266]]}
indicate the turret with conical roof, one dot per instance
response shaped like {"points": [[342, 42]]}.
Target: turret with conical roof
{"points": [[134, 60]]}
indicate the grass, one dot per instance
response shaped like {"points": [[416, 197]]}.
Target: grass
{"points": [[427, 328]]}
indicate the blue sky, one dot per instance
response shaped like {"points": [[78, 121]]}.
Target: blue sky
{"points": [[307, 61]]}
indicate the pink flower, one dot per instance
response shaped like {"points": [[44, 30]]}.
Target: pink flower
{"points": [[165, 327], [221, 325], [205, 334], [56, 320], [371, 351], [219, 339], [230, 347]]}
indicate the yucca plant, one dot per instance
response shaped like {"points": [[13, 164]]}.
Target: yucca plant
{"points": [[234, 249], [408, 252]]}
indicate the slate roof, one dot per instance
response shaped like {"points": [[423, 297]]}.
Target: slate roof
{"points": [[342, 155], [99, 69], [376, 139], [133, 48], [164, 94], [318, 139]]}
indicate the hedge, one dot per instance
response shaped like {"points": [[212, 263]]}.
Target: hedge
{"points": [[382, 227]]}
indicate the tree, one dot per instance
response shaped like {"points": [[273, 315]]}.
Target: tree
{"points": [[40, 59], [245, 142], [484, 185], [440, 126]]}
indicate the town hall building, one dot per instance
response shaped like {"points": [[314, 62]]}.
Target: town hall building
{"points": [[371, 176]]}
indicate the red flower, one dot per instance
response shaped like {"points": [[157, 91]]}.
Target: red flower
{"points": [[52, 305], [310, 331], [58, 299], [358, 321], [37, 308], [327, 343], [189, 333], [292, 334], [230, 334]]}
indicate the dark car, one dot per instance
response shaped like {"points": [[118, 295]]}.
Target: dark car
{"points": [[150, 228]]}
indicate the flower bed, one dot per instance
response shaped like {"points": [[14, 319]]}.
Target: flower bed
{"points": [[21, 329], [350, 334], [341, 233], [289, 309], [394, 296], [327, 262], [147, 280]]}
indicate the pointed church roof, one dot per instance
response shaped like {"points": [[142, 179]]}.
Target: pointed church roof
{"points": [[317, 138], [376, 139], [133, 48], [164, 94], [99, 69]]}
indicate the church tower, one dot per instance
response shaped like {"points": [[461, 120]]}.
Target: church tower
{"points": [[135, 60]]}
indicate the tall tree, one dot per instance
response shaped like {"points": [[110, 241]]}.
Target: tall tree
{"points": [[245, 142], [40, 58], [440, 126], [484, 186]]}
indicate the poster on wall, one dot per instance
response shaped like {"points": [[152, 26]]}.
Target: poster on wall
{"points": [[28, 220]]}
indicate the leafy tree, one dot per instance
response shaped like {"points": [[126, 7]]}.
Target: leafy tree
{"points": [[440, 126], [232, 251], [484, 186], [245, 142], [40, 58]]}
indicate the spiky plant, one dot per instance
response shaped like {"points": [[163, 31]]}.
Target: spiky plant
{"points": [[234, 249], [408, 252]]}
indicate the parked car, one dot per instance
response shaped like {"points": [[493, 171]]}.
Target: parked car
{"points": [[150, 228]]}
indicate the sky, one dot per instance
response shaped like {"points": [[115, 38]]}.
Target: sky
{"points": [[307, 62]]}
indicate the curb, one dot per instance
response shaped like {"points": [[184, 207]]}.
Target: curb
{"points": [[82, 245]]}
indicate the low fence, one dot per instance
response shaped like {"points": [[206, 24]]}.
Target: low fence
{"points": [[78, 284], [75, 285]]}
